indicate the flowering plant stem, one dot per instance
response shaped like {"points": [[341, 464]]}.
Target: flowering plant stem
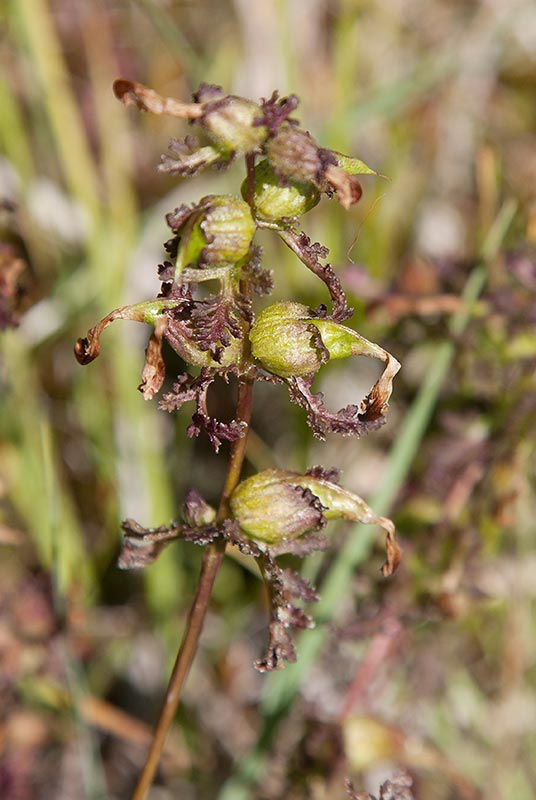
{"points": [[274, 512], [212, 558]]}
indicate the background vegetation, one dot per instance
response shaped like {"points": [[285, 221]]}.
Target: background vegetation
{"points": [[433, 670]]}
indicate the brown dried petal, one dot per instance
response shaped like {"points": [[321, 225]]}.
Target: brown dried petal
{"points": [[154, 369], [141, 546], [392, 548], [347, 187], [376, 402], [11, 268], [196, 511], [132, 93]]}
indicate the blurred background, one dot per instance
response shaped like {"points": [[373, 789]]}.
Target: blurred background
{"points": [[433, 670]]}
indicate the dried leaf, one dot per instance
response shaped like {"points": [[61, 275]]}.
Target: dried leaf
{"points": [[283, 586], [188, 388], [141, 546]]}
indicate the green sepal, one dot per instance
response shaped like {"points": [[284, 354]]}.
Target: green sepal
{"points": [[353, 166]]}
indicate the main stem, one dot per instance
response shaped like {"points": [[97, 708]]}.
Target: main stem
{"points": [[212, 559]]}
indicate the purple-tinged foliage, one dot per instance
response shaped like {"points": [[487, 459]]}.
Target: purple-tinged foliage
{"points": [[194, 389], [348, 421], [284, 588], [215, 321], [276, 111]]}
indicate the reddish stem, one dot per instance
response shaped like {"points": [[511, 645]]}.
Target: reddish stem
{"points": [[212, 559]]}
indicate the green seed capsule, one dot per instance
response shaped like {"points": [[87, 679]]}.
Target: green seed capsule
{"points": [[276, 505], [295, 155], [283, 340], [290, 342], [218, 231], [273, 202], [229, 123], [269, 508]]}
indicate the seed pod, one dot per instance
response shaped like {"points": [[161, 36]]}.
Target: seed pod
{"points": [[276, 505], [229, 122], [272, 201], [285, 342], [219, 230], [295, 155], [290, 342], [269, 507]]}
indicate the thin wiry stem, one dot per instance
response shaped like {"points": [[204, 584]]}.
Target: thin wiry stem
{"points": [[212, 559]]}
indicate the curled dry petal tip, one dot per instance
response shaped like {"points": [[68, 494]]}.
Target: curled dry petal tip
{"points": [[347, 187], [132, 93], [84, 352]]}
